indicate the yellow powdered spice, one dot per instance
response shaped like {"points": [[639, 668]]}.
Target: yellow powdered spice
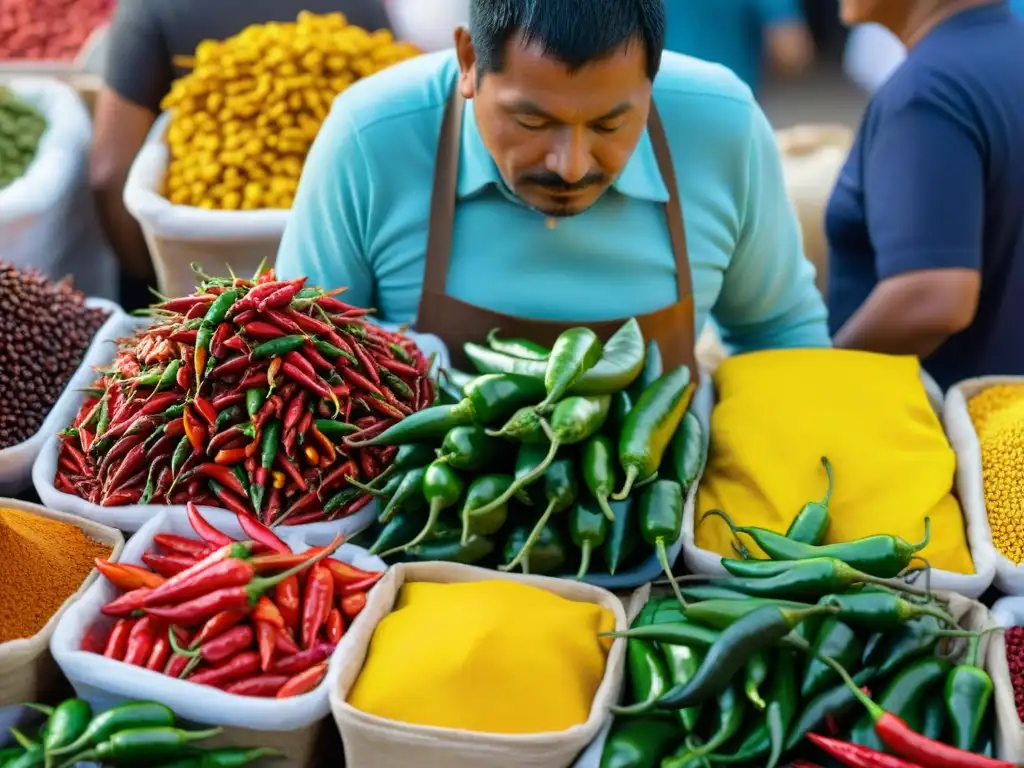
{"points": [[487, 656], [42, 563]]}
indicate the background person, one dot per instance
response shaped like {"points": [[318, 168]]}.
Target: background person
{"points": [[142, 42]]}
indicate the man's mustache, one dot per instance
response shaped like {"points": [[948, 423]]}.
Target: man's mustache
{"points": [[555, 183]]}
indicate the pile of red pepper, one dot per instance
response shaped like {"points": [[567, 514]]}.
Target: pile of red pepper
{"points": [[246, 395], [249, 617]]}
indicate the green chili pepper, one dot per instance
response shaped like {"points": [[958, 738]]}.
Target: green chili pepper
{"points": [[683, 662], [721, 614], [254, 399], [730, 718], [916, 638], [400, 528], [875, 648], [620, 364], [687, 451], [32, 757], [639, 742], [680, 632], [598, 465], [408, 497], [450, 549], [588, 528], [332, 352], [709, 592], [882, 556], [560, 490], [277, 347], [835, 701], [441, 490], [575, 352], [333, 428], [623, 535], [409, 456], [429, 424], [809, 579], [137, 714], [226, 416], [880, 611], [522, 348], [755, 672], [838, 641], [759, 629], [524, 426], [470, 448], [547, 556], [967, 695], [650, 426], [68, 721], [145, 745], [104, 417], [225, 757], [147, 494], [338, 500], [268, 453], [903, 696], [494, 397], [661, 522], [933, 720], [214, 316], [481, 492], [648, 674], [169, 376], [811, 522], [652, 370]]}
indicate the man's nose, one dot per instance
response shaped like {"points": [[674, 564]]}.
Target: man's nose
{"points": [[570, 156]]}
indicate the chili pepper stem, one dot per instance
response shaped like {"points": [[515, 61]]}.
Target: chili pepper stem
{"points": [[436, 507], [524, 551], [828, 489], [631, 477], [41, 708], [365, 487], [177, 648], [585, 552], [23, 741], [874, 711], [662, 553]]}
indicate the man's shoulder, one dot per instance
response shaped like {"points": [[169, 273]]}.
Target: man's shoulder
{"points": [[700, 100]]}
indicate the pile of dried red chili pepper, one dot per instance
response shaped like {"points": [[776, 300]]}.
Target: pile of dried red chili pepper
{"points": [[249, 617], [245, 395]]}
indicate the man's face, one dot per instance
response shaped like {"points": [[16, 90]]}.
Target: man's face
{"points": [[559, 138]]}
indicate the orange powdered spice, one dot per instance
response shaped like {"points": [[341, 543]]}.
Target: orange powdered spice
{"points": [[42, 563]]}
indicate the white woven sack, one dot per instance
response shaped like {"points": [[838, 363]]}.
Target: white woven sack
{"points": [[1007, 612], [47, 217], [178, 235], [375, 742], [979, 537], [291, 725], [27, 670], [16, 461], [428, 26], [1009, 577]]}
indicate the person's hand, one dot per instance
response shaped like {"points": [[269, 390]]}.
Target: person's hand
{"points": [[790, 48]]}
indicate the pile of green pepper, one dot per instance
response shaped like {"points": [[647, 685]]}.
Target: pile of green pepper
{"points": [[586, 443], [21, 127], [737, 671], [142, 733]]}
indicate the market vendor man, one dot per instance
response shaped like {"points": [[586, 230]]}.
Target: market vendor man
{"points": [[539, 176]]}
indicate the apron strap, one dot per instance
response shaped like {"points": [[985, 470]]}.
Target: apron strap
{"points": [[442, 201]]}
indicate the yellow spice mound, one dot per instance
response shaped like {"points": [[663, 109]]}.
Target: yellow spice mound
{"points": [[998, 416], [243, 120], [489, 656]]}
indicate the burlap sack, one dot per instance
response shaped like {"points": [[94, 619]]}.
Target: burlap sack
{"points": [[27, 670], [375, 742], [812, 157]]}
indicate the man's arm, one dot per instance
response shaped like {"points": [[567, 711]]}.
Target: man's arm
{"points": [[787, 39], [768, 297], [325, 238], [924, 194], [137, 75]]}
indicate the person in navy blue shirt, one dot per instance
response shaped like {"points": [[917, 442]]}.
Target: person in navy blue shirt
{"points": [[926, 222]]}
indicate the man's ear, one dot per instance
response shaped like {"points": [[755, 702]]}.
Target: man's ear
{"points": [[467, 62]]}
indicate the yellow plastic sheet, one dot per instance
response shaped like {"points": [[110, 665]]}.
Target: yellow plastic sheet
{"points": [[488, 656], [779, 412]]}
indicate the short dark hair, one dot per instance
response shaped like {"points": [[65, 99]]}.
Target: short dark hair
{"points": [[576, 32]]}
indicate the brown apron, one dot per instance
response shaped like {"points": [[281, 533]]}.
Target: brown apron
{"points": [[457, 322]]}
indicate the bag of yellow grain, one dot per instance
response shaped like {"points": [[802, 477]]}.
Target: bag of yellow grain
{"points": [[47, 561], [216, 177], [777, 413], [985, 421]]}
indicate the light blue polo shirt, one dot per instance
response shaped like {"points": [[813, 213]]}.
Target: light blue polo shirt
{"points": [[360, 215]]}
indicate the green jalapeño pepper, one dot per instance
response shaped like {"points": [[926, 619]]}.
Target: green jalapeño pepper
{"points": [[755, 672], [521, 348], [422, 426], [137, 714], [254, 399], [811, 522], [648, 674], [143, 745], [481, 492], [687, 451], [442, 488], [408, 497], [916, 638], [31, 758], [598, 465], [560, 489], [639, 742], [470, 448], [837, 641], [575, 352], [524, 426], [881, 612], [67, 723], [451, 549], [494, 397], [661, 522], [650, 426], [968, 693], [400, 528], [588, 528], [683, 662], [623, 535], [225, 757], [547, 556]]}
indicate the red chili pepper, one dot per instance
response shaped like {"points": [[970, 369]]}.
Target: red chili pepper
{"points": [[222, 475], [237, 343], [262, 331], [216, 626], [127, 603], [182, 545], [204, 530], [304, 682], [282, 297], [352, 605], [259, 533], [300, 362], [261, 686], [307, 323], [229, 439], [224, 646], [397, 368], [285, 643], [281, 561], [294, 411], [292, 471], [273, 507], [237, 598], [117, 640], [313, 384], [331, 304], [288, 602], [122, 498], [856, 756], [186, 580], [316, 603], [136, 458], [127, 577], [169, 566], [140, 641], [266, 641], [232, 367], [299, 662], [243, 665], [366, 362], [338, 476], [346, 573], [230, 457], [361, 586], [161, 652], [207, 411], [196, 432], [184, 377], [316, 360], [335, 626]]}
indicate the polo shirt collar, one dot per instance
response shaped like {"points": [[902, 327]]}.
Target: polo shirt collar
{"points": [[641, 178]]}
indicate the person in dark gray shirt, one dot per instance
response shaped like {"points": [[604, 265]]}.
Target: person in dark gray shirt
{"points": [[143, 41]]}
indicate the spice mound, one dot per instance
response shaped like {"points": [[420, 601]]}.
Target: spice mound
{"points": [[488, 656], [45, 329], [45, 562], [998, 417]]}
